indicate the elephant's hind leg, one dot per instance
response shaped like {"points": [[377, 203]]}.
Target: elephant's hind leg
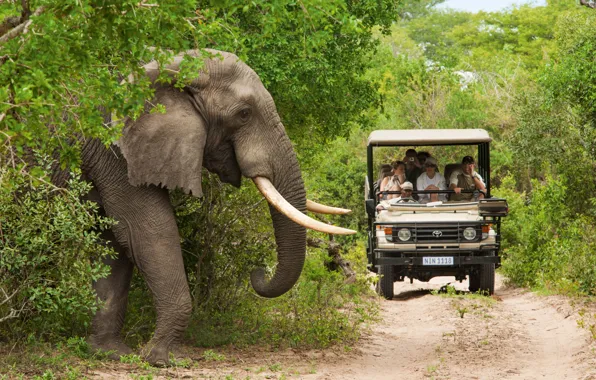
{"points": [[113, 292]]}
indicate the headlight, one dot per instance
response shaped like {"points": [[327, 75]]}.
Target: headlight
{"points": [[404, 234], [470, 233]]}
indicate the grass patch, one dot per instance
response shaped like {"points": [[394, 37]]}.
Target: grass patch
{"points": [[465, 302]]}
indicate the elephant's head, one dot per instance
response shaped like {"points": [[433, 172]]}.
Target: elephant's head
{"points": [[226, 121]]}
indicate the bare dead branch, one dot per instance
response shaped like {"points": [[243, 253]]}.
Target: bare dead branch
{"points": [[21, 28], [337, 262], [14, 313], [7, 297], [589, 4]]}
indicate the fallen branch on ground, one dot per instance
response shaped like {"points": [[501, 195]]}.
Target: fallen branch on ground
{"points": [[334, 251]]}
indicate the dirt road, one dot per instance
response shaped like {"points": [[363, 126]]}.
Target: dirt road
{"points": [[512, 335]]}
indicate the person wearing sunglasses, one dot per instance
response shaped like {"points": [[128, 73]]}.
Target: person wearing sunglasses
{"points": [[466, 178]]}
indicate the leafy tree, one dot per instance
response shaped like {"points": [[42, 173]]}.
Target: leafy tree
{"points": [[311, 55], [62, 66], [65, 63]]}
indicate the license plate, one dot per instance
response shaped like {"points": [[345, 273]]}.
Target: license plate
{"points": [[441, 260]]}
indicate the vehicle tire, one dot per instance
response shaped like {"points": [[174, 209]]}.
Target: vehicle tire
{"points": [[385, 285], [474, 279], [486, 280]]}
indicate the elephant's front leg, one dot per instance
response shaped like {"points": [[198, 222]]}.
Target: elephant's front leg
{"points": [[162, 267], [154, 243]]}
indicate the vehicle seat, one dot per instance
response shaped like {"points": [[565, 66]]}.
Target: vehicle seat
{"points": [[449, 168]]}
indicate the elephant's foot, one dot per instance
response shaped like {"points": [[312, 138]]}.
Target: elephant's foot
{"points": [[113, 345], [156, 354]]}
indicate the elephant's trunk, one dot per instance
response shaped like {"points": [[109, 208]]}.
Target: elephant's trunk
{"points": [[289, 236]]}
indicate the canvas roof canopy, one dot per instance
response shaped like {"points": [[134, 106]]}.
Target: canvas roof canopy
{"points": [[414, 137]]}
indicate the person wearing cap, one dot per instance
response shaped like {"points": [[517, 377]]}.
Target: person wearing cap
{"points": [[431, 180], [406, 194], [466, 178], [406, 197]]}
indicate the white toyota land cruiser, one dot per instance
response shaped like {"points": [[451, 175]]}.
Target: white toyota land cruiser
{"points": [[440, 238]]}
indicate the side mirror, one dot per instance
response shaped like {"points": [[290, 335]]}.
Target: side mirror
{"points": [[493, 207]]}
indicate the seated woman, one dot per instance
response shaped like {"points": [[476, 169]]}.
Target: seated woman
{"points": [[393, 182], [431, 180], [384, 171]]}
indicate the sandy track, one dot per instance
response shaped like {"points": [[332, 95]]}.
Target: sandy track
{"points": [[513, 335], [517, 336]]}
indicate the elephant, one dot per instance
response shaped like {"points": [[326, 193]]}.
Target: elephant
{"points": [[225, 121]]}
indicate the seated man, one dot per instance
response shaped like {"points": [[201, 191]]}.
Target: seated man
{"points": [[466, 178], [431, 180]]}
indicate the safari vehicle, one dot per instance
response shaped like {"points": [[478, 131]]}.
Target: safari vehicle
{"points": [[422, 241]]}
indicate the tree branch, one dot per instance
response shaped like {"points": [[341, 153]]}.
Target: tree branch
{"points": [[589, 4], [21, 28]]}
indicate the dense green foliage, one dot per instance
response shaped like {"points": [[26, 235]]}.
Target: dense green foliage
{"points": [[559, 219], [337, 70], [555, 247], [49, 254]]}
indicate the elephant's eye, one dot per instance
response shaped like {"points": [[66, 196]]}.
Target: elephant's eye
{"points": [[245, 114]]}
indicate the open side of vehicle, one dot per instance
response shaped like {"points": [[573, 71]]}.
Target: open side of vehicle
{"points": [[422, 241]]}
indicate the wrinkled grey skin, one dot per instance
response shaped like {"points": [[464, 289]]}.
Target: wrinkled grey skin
{"points": [[225, 121]]}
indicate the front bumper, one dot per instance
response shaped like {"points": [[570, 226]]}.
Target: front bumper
{"points": [[391, 257]]}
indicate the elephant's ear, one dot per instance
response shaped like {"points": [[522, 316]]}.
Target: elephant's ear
{"points": [[166, 149]]}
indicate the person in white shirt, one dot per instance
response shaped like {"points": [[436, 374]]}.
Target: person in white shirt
{"points": [[431, 180], [466, 178]]}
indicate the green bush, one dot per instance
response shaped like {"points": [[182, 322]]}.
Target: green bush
{"points": [[545, 243], [50, 252], [320, 310]]}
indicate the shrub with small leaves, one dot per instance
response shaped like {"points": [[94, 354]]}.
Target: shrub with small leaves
{"points": [[50, 252]]}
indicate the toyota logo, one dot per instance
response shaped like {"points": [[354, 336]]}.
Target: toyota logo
{"points": [[437, 234]]}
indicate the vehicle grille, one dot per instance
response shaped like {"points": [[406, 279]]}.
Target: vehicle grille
{"points": [[425, 233]]}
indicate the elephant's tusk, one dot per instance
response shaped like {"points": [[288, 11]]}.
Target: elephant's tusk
{"points": [[282, 205], [322, 209]]}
